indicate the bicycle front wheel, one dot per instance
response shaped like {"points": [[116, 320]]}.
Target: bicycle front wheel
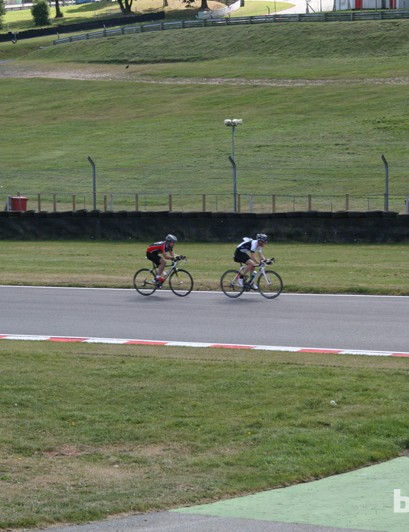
{"points": [[144, 282], [270, 284], [229, 283], [181, 283]]}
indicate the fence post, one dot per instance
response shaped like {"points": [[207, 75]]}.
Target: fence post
{"points": [[54, 202], [204, 203], [273, 203], [347, 202], [73, 203], [137, 202], [238, 203], [39, 202], [309, 202], [386, 195], [94, 183], [170, 202], [105, 203]]}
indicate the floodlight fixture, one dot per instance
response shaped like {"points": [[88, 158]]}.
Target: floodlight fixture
{"points": [[233, 122]]}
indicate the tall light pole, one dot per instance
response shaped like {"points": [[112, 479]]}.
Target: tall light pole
{"points": [[94, 183], [386, 195], [233, 122]]}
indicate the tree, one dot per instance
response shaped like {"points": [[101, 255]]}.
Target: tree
{"points": [[203, 6], [58, 12], [41, 13], [125, 6], [2, 12]]}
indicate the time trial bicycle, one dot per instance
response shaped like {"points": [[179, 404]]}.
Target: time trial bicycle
{"points": [[267, 282], [180, 280]]}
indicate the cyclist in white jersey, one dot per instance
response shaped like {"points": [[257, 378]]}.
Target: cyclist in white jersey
{"points": [[250, 253]]}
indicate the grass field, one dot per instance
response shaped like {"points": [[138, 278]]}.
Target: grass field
{"points": [[22, 19], [327, 268], [90, 431], [319, 106]]}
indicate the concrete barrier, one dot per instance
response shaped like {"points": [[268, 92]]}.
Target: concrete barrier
{"points": [[336, 227]]}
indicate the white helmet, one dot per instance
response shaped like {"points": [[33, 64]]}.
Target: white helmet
{"points": [[171, 238]]}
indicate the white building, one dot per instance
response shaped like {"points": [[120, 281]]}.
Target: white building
{"points": [[341, 5]]}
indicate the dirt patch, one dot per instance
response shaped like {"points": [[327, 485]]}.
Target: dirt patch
{"points": [[128, 73]]}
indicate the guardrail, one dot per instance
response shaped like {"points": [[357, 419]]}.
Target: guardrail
{"points": [[233, 21]]}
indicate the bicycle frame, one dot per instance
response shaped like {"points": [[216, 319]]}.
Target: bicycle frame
{"points": [[260, 270], [180, 281], [173, 268], [267, 282]]}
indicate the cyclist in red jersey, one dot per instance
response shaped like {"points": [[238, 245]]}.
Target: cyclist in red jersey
{"points": [[160, 252]]}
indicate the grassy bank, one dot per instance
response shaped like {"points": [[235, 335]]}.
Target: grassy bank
{"points": [[91, 431], [325, 268], [320, 106]]}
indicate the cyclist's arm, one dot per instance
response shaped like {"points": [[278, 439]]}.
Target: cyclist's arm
{"points": [[262, 257], [169, 255], [255, 253]]}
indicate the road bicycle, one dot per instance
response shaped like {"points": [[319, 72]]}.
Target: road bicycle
{"points": [[267, 282], [180, 280]]}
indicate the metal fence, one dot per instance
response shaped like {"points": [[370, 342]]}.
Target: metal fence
{"points": [[245, 203], [230, 21]]}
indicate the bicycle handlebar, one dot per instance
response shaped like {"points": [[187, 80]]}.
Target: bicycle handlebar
{"points": [[178, 258], [267, 261]]}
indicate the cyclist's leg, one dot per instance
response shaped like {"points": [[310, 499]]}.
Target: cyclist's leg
{"points": [[157, 261], [161, 266], [249, 267], [243, 258]]}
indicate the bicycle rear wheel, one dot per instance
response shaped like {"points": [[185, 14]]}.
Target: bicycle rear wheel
{"points": [[230, 285], [144, 282], [270, 284], [181, 282]]}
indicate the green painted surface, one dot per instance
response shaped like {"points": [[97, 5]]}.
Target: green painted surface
{"points": [[362, 499]]}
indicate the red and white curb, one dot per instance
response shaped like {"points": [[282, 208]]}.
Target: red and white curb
{"points": [[130, 341]]}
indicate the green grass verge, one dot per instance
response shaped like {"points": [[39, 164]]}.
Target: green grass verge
{"points": [[90, 431], [316, 268]]}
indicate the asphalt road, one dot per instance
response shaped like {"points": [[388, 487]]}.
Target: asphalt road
{"points": [[377, 323]]}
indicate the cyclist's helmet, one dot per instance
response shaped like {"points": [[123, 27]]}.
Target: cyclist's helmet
{"points": [[261, 237], [171, 238]]}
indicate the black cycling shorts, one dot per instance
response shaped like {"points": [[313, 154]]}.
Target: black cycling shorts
{"points": [[154, 257], [239, 256]]}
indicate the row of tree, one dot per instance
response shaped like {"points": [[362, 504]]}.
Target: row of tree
{"points": [[41, 10], [2, 12]]}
